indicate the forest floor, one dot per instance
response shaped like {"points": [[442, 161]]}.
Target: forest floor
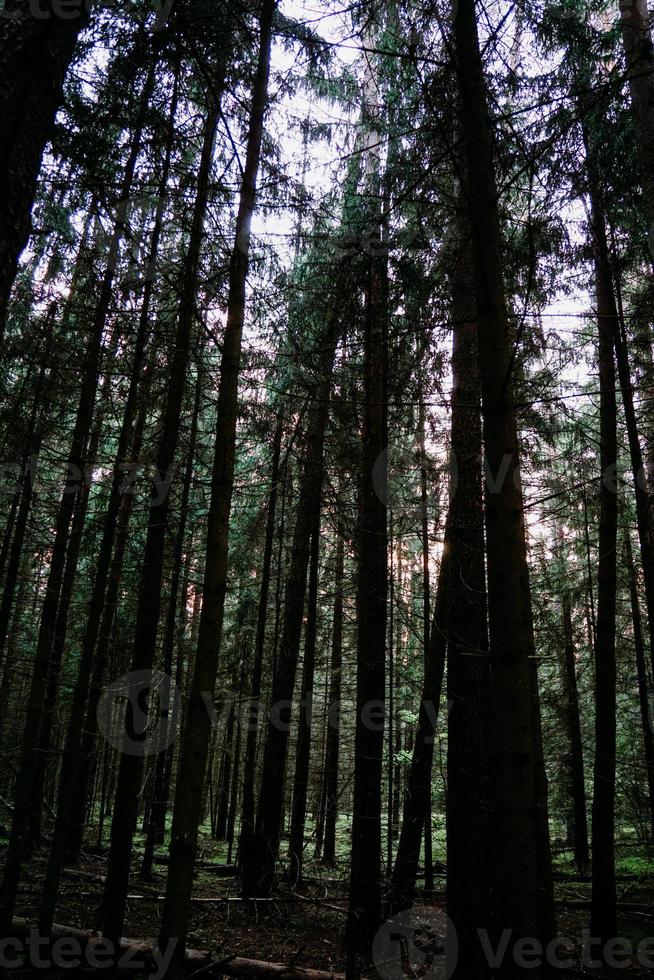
{"points": [[305, 926]]}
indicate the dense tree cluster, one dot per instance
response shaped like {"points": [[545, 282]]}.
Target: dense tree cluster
{"points": [[326, 525]]}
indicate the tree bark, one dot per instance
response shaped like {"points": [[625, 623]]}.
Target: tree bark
{"points": [[516, 890], [469, 788], [603, 910]]}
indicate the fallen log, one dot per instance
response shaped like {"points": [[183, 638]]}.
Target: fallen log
{"points": [[211, 964]]}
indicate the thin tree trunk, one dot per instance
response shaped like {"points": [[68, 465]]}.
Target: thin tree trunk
{"points": [[219, 823], [641, 674], [197, 732], [34, 440], [303, 746], [365, 893], [393, 784], [72, 826], [641, 490], [418, 788], [253, 707], [164, 761], [573, 724], [259, 864], [236, 767], [330, 807], [426, 612]]}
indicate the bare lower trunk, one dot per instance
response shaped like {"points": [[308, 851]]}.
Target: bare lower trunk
{"points": [[469, 790], [303, 747]]}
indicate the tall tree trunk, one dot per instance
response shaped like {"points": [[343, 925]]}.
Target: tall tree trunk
{"points": [[573, 725], [469, 790], [332, 746], [639, 473], [418, 788], [603, 902], [197, 732], [641, 674], [259, 864], [516, 891], [365, 893], [303, 746], [149, 600], [35, 52], [82, 729], [426, 612], [164, 760], [248, 805], [393, 783]]}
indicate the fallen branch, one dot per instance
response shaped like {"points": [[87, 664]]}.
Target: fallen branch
{"points": [[621, 906], [222, 870]]}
